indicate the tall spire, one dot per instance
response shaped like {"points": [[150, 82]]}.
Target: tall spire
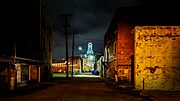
{"points": [[90, 49]]}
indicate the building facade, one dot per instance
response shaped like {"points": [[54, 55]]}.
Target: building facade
{"points": [[46, 41], [157, 63], [131, 29], [89, 58], [28, 51], [58, 66], [100, 67], [77, 64]]}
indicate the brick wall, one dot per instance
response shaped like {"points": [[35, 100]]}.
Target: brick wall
{"points": [[125, 44], [125, 48]]}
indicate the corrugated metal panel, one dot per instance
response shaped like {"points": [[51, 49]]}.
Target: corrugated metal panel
{"points": [[157, 57]]}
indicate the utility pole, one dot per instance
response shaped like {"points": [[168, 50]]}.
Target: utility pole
{"points": [[72, 54], [66, 27]]}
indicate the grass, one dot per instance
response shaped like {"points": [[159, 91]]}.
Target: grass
{"points": [[60, 74]]}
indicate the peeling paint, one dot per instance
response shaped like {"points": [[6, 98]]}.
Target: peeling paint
{"points": [[157, 57]]}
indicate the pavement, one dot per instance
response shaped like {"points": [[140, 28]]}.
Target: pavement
{"points": [[83, 89], [161, 95], [20, 91], [145, 94], [78, 89]]}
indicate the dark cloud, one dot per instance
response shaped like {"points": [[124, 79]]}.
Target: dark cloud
{"points": [[90, 18]]}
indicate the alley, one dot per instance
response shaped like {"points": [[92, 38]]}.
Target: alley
{"points": [[93, 89]]}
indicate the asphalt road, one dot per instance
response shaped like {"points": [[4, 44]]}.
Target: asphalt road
{"points": [[75, 90]]}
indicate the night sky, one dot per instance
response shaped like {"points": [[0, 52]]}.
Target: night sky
{"points": [[90, 18]]}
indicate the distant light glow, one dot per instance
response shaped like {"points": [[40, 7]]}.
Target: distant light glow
{"points": [[91, 57], [80, 48]]}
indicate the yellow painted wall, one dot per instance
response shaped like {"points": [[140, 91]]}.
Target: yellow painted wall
{"points": [[157, 57]]}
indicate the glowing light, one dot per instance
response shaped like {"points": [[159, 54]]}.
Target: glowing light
{"points": [[80, 48], [91, 57]]}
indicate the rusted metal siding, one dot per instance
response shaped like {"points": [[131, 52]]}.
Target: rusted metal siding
{"points": [[157, 57]]}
